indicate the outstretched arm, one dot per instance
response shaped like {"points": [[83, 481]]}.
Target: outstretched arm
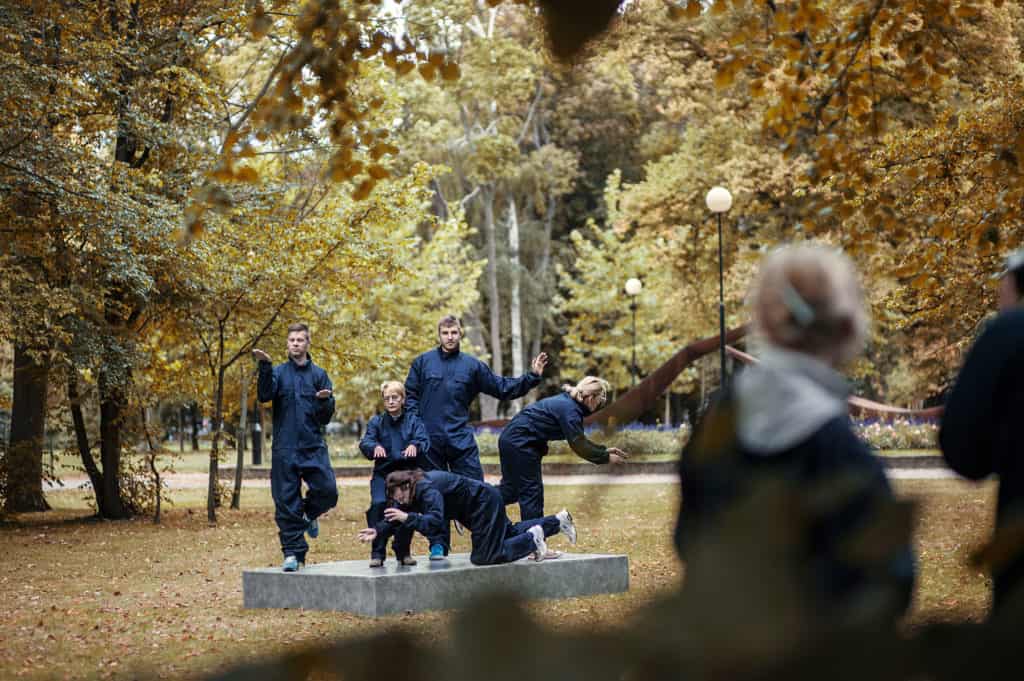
{"points": [[430, 521], [266, 380], [502, 387], [325, 401]]}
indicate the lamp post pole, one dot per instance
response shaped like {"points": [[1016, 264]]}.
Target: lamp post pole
{"points": [[719, 200], [632, 306], [633, 288]]}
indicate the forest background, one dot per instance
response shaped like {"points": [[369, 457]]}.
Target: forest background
{"points": [[181, 180]]}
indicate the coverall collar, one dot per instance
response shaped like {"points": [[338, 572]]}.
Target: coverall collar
{"points": [[397, 419], [448, 355], [300, 367]]}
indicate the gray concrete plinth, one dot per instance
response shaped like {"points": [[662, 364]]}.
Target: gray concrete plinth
{"points": [[353, 586]]}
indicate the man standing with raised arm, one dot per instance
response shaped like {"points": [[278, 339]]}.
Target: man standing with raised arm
{"points": [[441, 385], [303, 404]]}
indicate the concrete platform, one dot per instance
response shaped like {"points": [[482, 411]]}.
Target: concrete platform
{"points": [[353, 586]]}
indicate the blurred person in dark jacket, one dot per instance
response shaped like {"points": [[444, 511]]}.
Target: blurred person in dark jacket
{"points": [[979, 433], [785, 420]]}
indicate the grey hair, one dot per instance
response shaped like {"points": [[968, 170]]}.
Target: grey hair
{"points": [[808, 298]]}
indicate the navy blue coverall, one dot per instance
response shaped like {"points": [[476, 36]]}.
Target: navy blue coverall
{"points": [[299, 452], [980, 433], [524, 441], [394, 435], [441, 496], [439, 389]]}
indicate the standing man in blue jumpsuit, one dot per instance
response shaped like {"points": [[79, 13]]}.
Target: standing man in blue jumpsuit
{"points": [[303, 404], [441, 385]]}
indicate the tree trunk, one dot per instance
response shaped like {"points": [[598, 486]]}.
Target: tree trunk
{"points": [[259, 437], [212, 495], [82, 438], [194, 412], [181, 429], [236, 494], [151, 460], [542, 271], [493, 300], [23, 464], [514, 302], [488, 404], [112, 405]]}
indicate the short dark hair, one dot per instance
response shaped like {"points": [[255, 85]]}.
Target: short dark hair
{"points": [[298, 326], [449, 320], [407, 478]]}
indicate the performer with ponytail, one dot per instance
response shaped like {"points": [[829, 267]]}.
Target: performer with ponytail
{"points": [[524, 441]]}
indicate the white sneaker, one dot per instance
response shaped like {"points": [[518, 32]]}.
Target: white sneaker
{"points": [[566, 525], [541, 547]]}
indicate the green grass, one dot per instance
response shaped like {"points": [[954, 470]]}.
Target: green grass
{"points": [[85, 598]]}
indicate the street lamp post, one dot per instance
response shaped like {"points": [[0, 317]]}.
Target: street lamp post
{"points": [[633, 288], [719, 200]]}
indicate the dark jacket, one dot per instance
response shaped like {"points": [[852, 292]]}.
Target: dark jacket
{"points": [[299, 417], [786, 420], [554, 418], [442, 496], [441, 386], [394, 435], [980, 431]]}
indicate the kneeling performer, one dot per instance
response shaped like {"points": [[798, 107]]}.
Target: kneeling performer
{"points": [[428, 500]]}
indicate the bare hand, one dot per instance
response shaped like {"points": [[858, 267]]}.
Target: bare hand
{"points": [[367, 535], [539, 362], [616, 455], [379, 452], [260, 356], [323, 394], [410, 452], [395, 515]]}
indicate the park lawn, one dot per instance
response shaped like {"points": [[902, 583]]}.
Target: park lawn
{"points": [[85, 598]]}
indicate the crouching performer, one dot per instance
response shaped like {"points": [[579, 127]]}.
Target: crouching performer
{"points": [[426, 501], [394, 441], [303, 404], [524, 441]]}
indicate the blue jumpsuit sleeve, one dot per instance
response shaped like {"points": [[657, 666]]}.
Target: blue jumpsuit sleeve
{"points": [[430, 520], [413, 384], [371, 438], [967, 430], [266, 382], [419, 435], [502, 387], [572, 429], [324, 408]]}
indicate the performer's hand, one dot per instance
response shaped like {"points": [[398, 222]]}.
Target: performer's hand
{"points": [[367, 535], [323, 394], [539, 362], [410, 452], [395, 515], [379, 452], [616, 455], [260, 356]]}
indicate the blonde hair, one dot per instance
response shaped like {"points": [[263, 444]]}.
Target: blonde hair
{"points": [[589, 385], [808, 298], [397, 385]]}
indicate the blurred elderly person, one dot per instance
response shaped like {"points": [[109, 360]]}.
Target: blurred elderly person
{"points": [[979, 434], [786, 419]]}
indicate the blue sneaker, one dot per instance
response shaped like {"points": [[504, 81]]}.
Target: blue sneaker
{"points": [[437, 552], [291, 564], [313, 528]]}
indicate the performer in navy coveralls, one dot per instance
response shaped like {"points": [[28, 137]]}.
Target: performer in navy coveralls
{"points": [[394, 441], [524, 441], [303, 404], [428, 500], [979, 434], [439, 389]]}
